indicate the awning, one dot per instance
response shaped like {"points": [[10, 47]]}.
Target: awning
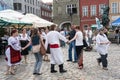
{"points": [[116, 22], [37, 21]]}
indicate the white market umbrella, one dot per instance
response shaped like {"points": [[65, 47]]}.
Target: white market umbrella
{"points": [[11, 14], [37, 21]]}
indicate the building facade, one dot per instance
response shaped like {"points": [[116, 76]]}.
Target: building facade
{"points": [[89, 10], [66, 12], [114, 9], [46, 11], [6, 4], [27, 6]]}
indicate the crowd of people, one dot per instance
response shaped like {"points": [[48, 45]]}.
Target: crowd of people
{"points": [[20, 44]]}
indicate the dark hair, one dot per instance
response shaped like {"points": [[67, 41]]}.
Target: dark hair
{"points": [[52, 27], [35, 32], [13, 31], [77, 27]]}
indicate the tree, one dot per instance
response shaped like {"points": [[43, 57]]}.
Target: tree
{"points": [[105, 16]]}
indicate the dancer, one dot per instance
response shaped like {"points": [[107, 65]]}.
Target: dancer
{"points": [[102, 44], [13, 55], [53, 38], [79, 45]]}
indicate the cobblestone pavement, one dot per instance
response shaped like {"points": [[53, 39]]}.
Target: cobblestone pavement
{"points": [[91, 70]]}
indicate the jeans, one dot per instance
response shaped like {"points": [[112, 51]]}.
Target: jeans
{"points": [[103, 59], [38, 62], [72, 45]]}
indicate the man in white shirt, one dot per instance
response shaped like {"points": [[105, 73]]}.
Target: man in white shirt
{"points": [[53, 38]]}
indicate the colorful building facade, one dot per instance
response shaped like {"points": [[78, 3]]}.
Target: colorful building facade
{"points": [[89, 10]]}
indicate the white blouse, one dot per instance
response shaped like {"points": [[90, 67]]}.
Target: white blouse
{"points": [[102, 48], [26, 37]]}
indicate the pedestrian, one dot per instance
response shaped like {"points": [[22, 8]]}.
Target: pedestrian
{"points": [[36, 40], [79, 46], [89, 35], [25, 41], [102, 44], [53, 38], [71, 34], [62, 32], [13, 55]]}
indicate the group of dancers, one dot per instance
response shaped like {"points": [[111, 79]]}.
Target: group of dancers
{"points": [[18, 44]]}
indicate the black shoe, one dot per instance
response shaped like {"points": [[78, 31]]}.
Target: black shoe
{"points": [[63, 71], [69, 60], [53, 71], [39, 73], [34, 73], [53, 68]]}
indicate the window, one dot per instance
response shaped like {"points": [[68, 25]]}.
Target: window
{"points": [[28, 9], [114, 8], [85, 10], [101, 6], [33, 2], [93, 10], [28, 1], [72, 8], [36, 2], [17, 6], [43, 13], [25, 9], [33, 10]]}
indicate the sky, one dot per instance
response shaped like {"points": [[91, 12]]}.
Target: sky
{"points": [[47, 1]]}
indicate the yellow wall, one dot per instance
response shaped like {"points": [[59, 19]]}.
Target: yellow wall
{"points": [[117, 15]]}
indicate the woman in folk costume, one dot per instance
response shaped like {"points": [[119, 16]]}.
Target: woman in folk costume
{"points": [[53, 38], [13, 54], [102, 44], [25, 42], [79, 46]]}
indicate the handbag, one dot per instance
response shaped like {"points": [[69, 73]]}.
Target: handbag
{"points": [[42, 49], [36, 48]]}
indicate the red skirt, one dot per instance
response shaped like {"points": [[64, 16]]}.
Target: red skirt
{"points": [[15, 55]]}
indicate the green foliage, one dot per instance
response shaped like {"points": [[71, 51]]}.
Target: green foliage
{"points": [[105, 16]]}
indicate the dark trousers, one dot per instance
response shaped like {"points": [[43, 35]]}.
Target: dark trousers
{"points": [[79, 50], [103, 59]]}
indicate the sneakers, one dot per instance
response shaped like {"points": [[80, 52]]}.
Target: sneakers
{"points": [[69, 60]]}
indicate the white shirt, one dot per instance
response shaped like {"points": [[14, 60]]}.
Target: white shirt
{"points": [[89, 33], [62, 33], [53, 37], [79, 39], [26, 37], [102, 49], [43, 35]]}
